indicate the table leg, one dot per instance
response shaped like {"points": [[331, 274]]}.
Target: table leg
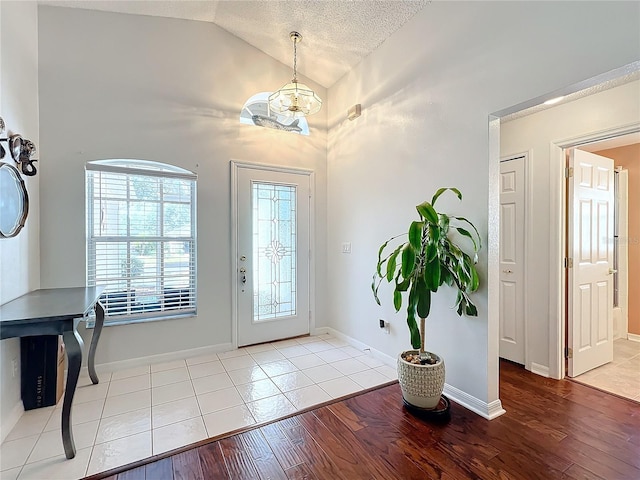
{"points": [[97, 330], [73, 344]]}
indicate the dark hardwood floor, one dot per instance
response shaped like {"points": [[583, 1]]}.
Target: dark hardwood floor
{"points": [[552, 430]]}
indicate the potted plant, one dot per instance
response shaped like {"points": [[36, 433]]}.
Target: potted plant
{"points": [[418, 267]]}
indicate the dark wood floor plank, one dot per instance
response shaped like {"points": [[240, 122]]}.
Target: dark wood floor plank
{"points": [[344, 438], [286, 452], [159, 470], [342, 453], [347, 416], [552, 430], [315, 457], [186, 466], [212, 462], [383, 443], [517, 465], [597, 462], [237, 459], [430, 460], [263, 457], [576, 472], [300, 472], [134, 474]]}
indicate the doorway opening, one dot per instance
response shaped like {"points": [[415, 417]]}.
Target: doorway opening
{"points": [[621, 373], [546, 233]]}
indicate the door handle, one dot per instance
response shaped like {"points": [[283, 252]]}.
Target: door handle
{"points": [[243, 275], [612, 271]]}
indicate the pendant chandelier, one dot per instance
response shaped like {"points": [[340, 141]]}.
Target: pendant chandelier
{"points": [[295, 99]]}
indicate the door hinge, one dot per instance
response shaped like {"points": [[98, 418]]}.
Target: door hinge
{"points": [[568, 172], [568, 262], [568, 352]]}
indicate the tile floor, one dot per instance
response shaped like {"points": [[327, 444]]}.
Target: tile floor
{"points": [[144, 411], [622, 376]]}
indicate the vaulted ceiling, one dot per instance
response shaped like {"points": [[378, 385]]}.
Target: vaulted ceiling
{"points": [[337, 34]]}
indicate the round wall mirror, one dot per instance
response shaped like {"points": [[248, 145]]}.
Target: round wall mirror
{"points": [[14, 201]]}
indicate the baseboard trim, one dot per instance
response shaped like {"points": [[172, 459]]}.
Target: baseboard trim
{"points": [[484, 409], [159, 358], [14, 415], [633, 337], [383, 357], [541, 370]]}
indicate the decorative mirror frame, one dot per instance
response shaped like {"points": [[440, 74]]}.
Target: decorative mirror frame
{"points": [[21, 190]]}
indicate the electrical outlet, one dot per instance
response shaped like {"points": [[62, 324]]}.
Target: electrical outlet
{"points": [[14, 368], [384, 326], [346, 247]]}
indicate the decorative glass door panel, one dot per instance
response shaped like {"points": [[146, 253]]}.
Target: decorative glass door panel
{"points": [[272, 268], [274, 248]]}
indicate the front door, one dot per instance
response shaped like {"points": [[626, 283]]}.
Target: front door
{"points": [[273, 251], [590, 272]]}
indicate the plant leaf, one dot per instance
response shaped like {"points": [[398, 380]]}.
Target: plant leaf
{"points": [[427, 212], [432, 274], [402, 286], [391, 263], [431, 252], [467, 234], [415, 234], [424, 298], [462, 219], [435, 233], [442, 190], [444, 222], [411, 320], [375, 287], [397, 300], [382, 247], [408, 260]]}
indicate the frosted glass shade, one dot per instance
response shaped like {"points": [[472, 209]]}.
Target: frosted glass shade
{"points": [[295, 99]]}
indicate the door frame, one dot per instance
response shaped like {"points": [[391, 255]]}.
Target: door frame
{"points": [[558, 239], [527, 241], [236, 165]]}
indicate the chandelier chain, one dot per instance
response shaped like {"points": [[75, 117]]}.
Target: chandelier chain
{"points": [[295, 60]]}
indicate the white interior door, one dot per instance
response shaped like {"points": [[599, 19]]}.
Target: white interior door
{"points": [[590, 276], [273, 248], [512, 228]]}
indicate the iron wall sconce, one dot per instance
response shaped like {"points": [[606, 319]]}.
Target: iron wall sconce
{"points": [[21, 150]]}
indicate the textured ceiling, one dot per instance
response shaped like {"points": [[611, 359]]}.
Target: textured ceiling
{"points": [[337, 34]]}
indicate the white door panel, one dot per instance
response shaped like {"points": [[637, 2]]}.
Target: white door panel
{"points": [[590, 279], [512, 223], [273, 247]]}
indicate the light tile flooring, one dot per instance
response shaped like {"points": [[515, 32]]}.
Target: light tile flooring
{"points": [[133, 414], [622, 376]]}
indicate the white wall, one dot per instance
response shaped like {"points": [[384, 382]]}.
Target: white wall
{"points": [[426, 95], [20, 255], [127, 86]]}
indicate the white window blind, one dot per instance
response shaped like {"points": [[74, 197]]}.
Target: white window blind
{"points": [[141, 239]]}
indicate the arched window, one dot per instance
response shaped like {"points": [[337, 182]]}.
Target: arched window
{"points": [[141, 239], [256, 112]]}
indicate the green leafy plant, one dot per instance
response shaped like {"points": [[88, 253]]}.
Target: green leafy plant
{"points": [[428, 259]]}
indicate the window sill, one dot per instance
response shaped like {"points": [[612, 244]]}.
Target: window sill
{"points": [[90, 321]]}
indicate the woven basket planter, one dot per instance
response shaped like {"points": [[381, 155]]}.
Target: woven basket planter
{"points": [[421, 385]]}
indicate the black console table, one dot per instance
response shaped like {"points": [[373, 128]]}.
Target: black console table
{"points": [[57, 311]]}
